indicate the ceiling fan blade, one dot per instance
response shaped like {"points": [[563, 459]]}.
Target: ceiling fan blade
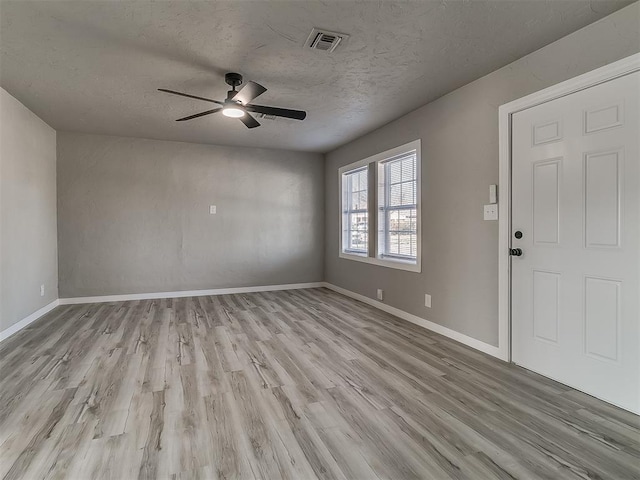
{"points": [[201, 114], [190, 96], [248, 92], [278, 112], [249, 121]]}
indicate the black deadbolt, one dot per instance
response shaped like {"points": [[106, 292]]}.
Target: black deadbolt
{"points": [[518, 234]]}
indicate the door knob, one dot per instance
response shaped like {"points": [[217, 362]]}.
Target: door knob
{"points": [[515, 252]]}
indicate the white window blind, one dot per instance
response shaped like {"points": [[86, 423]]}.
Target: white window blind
{"points": [[355, 212], [397, 208]]}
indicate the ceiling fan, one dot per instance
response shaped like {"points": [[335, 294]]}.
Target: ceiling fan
{"points": [[237, 103]]}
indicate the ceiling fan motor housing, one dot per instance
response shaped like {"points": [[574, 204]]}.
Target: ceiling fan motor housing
{"points": [[233, 79]]}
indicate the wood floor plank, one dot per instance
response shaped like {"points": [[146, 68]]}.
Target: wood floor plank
{"points": [[300, 385]]}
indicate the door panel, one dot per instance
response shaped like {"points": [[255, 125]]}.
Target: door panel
{"points": [[602, 317], [602, 198], [576, 198], [546, 201], [546, 305]]}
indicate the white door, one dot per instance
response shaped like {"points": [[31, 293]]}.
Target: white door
{"points": [[576, 201]]}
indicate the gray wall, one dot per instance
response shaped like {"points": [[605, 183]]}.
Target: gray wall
{"points": [[27, 212], [133, 216], [459, 135]]}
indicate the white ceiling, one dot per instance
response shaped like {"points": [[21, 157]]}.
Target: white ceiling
{"points": [[95, 66]]}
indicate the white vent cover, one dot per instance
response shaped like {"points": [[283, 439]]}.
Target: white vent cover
{"points": [[324, 40]]}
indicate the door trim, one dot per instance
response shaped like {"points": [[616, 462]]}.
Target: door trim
{"points": [[609, 72]]}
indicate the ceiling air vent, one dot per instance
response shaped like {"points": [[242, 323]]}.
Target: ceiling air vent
{"points": [[325, 40]]}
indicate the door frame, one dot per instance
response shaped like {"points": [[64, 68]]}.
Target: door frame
{"points": [[603, 74]]}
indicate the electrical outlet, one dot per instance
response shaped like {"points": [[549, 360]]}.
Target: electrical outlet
{"points": [[427, 300], [380, 294], [212, 209], [42, 290]]}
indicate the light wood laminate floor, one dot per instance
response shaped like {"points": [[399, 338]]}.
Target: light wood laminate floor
{"points": [[293, 385]]}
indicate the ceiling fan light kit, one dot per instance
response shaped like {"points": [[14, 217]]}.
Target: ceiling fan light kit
{"points": [[233, 112], [237, 105]]}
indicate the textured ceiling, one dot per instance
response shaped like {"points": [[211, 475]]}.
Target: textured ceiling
{"points": [[94, 67]]}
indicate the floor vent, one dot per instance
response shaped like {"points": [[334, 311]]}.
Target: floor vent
{"points": [[324, 40]]}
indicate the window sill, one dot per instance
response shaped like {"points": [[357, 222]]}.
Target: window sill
{"points": [[380, 262]]}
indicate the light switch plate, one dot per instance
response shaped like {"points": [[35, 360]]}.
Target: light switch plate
{"points": [[380, 295], [212, 209], [491, 212]]}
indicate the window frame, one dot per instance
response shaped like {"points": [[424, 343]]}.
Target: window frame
{"points": [[373, 255], [348, 212]]}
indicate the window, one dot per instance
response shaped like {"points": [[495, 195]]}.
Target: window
{"points": [[397, 198], [355, 213], [398, 210]]}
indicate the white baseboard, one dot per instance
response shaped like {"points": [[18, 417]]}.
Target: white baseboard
{"points": [[16, 327], [447, 332], [188, 293], [434, 327]]}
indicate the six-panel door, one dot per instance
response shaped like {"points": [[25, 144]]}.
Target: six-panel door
{"points": [[575, 289]]}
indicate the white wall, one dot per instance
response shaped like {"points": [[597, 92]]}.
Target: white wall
{"points": [[28, 232]]}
